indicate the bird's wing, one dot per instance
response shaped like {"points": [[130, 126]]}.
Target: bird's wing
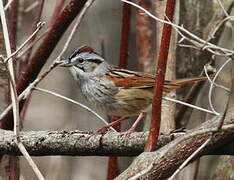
{"points": [[123, 78], [130, 79]]}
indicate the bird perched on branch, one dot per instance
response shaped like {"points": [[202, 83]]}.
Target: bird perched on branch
{"points": [[113, 90]]}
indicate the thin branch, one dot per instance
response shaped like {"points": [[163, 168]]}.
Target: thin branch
{"points": [[210, 80], [224, 10], [39, 26], [14, 97], [49, 42], [11, 70], [31, 7], [144, 37], [8, 4], [190, 105], [217, 50], [33, 43], [29, 88], [212, 83], [74, 102]]}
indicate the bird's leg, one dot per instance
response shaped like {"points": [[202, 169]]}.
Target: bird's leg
{"points": [[133, 127]]}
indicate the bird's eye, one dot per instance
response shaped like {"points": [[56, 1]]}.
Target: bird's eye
{"points": [[81, 61]]}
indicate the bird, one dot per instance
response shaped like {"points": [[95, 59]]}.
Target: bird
{"points": [[112, 90]]}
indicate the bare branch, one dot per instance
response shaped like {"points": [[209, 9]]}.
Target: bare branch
{"points": [[75, 143], [14, 98]]}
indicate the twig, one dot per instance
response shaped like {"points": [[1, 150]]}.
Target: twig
{"points": [[8, 5], [33, 43], [197, 41], [39, 26], [48, 44], [29, 88], [190, 105], [212, 83], [79, 18], [31, 7], [74, 102], [10, 70], [224, 11], [14, 98], [210, 80]]}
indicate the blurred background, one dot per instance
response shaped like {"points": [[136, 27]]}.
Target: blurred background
{"points": [[100, 29]]}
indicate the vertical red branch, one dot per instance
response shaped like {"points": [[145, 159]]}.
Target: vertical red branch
{"points": [[58, 7], [159, 79], [125, 29], [12, 23], [144, 37], [113, 169]]}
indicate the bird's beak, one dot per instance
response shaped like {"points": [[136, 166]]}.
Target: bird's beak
{"points": [[65, 63]]}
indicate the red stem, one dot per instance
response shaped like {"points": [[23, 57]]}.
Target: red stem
{"points": [[113, 169], [144, 37], [12, 23], [125, 29], [57, 10], [159, 79]]}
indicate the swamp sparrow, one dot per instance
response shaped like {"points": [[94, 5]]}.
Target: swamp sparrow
{"points": [[115, 91]]}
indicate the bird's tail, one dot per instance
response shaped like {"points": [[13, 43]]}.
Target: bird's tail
{"points": [[174, 84]]}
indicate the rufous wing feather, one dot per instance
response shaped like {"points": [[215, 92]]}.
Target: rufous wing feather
{"points": [[131, 79], [174, 84]]}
